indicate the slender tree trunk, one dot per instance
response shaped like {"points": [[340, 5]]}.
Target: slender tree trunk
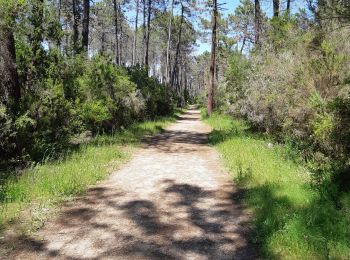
{"points": [[9, 83], [103, 43], [36, 39], [120, 35], [148, 32], [103, 33], [144, 29], [133, 60], [167, 71], [257, 23], [175, 68], [59, 6], [276, 8], [65, 47], [180, 82], [85, 30], [243, 43], [185, 82], [116, 28], [288, 7], [76, 19], [211, 85]]}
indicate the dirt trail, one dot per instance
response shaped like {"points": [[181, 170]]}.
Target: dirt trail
{"points": [[171, 201]]}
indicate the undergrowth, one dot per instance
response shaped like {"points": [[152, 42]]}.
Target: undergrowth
{"points": [[291, 218]]}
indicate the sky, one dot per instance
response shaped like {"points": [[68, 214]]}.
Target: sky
{"points": [[227, 7]]}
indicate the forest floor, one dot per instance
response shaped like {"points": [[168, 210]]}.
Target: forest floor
{"points": [[173, 200]]}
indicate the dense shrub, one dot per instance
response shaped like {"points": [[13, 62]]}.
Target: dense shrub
{"points": [[157, 96], [108, 98], [297, 88], [76, 95]]}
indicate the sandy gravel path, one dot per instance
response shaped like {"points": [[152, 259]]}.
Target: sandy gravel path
{"points": [[173, 200]]}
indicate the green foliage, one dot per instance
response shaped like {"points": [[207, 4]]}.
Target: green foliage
{"points": [[291, 219], [94, 113], [158, 98], [291, 91], [295, 89], [7, 136], [279, 34], [236, 75], [72, 96], [108, 97], [64, 94]]}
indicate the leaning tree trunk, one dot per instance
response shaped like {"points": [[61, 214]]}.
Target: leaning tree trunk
{"points": [[213, 59], [85, 31], [134, 44], [243, 44]]}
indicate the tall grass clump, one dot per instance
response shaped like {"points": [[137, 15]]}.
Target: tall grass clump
{"points": [[292, 219]]}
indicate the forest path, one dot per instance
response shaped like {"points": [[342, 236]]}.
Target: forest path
{"points": [[173, 200]]}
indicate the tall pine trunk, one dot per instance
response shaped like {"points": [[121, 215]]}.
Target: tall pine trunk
{"points": [[36, 39], [76, 19], [116, 28], [167, 70], [9, 84], [144, 29], [85, 30], [148, 32], [120, 35], [59, 7], [36, 36], [276, 8], [288, 7], [134, 44], [257, 23], [175, 68], [211, 85]]}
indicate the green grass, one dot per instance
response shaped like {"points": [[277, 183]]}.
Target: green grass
{"points": [[291, 219], [37, 189]]}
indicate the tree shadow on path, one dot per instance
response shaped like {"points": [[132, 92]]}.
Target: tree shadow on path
{"points": [[190, 223]]}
